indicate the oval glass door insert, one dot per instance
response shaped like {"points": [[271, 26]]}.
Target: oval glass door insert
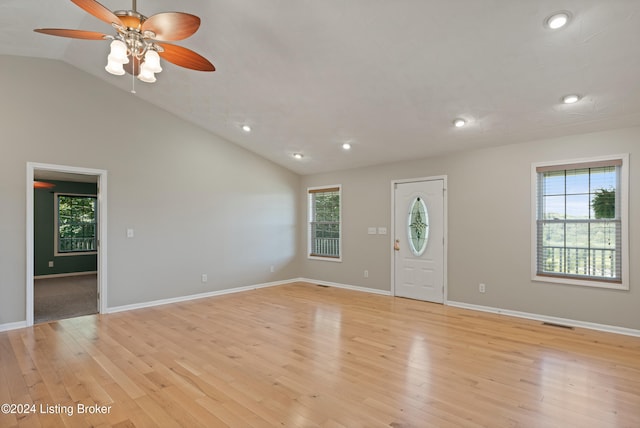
{"points": [[418, 226]]}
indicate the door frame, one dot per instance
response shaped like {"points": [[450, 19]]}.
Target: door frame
{"points": [[392, 235], [101, 175]]}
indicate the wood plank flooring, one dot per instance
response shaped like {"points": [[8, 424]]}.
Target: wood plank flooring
{"points": [[300, 355]]}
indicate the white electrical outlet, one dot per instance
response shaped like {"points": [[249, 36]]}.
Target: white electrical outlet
{"points": [[273, 269], [130, 233], [366, 274], [51, 263], [481, 288], [204, 277]]}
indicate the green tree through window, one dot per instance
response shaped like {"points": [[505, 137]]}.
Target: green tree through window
{"points": [[324, 222], [578, 226], [76, 223]]}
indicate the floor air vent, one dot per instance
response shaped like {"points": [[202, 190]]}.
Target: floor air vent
{"points": [[323, 286], [557, 325]]}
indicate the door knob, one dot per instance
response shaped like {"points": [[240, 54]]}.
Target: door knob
{"points": [[396, 246]]}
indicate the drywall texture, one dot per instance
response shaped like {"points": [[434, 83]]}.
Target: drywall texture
{"points": [[489, 219], [197, 204]]}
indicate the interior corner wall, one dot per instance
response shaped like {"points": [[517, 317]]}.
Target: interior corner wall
{"points": [[198, 204], [489, 228]]}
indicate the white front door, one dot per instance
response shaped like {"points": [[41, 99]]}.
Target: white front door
{"points": [[419, 240]]}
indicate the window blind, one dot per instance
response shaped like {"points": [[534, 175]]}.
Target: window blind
{"points": [[579, 227]]}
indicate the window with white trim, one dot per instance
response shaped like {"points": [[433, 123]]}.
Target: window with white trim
{"points": [[324, 223], [76, 224], [581, 222]]}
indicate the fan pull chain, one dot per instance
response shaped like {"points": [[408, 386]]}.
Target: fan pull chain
{"points": [[133, 76]]}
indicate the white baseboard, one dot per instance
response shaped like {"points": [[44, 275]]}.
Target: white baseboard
{"points": [[490, 309], [179, 299], [63, 275], [518, 314], [345, 286], [549, 319], [13, 325]]}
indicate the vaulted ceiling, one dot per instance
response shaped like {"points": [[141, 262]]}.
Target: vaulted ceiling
{"points": [[389, 77]]}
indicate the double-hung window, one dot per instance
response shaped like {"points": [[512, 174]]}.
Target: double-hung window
{"points": [[76, 224], [324, 223], [580, 230]]}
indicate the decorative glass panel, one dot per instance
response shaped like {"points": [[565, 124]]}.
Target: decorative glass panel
{"points": [[418, 226]]}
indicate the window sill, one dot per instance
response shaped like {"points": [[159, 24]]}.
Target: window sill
{"points": [[325, 259], [582, 282], [74, 253]]}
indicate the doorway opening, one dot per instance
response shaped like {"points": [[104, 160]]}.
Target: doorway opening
{"points": [[67, 276]]}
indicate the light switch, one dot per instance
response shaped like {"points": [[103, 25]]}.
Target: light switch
{"points": [[129, 233], [382, 231], [372, 231]]}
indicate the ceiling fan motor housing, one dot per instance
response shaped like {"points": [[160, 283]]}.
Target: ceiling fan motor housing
{"points": [[131, 19]]}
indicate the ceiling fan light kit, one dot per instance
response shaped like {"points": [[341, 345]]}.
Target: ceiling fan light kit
{"points": [[139, 42]]}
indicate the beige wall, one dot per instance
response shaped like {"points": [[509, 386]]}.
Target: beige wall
{"points": [[489, 215], [198, 204]]}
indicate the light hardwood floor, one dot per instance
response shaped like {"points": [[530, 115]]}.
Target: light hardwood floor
{"points": [[301, 355]]}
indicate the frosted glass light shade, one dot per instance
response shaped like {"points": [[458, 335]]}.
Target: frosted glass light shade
{"points": [[114, 67], [146, 75], [119, 52], [152, 62]]}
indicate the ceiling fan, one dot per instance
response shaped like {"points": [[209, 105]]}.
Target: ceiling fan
{"points": [[139, 41]]}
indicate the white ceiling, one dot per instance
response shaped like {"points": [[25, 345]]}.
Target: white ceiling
{"points": [[387, 76], [43, 174]]}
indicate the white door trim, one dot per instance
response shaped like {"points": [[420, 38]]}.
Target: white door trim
{"points": [[32, 167], [392, 235]]}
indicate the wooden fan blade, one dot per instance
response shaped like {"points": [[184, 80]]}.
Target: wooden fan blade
{"points": [[98, 10], [185, 57], [74, 34], [171, 25]]}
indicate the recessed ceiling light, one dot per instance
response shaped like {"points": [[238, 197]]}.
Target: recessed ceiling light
{"points": [[298, 155], [571, 98], [459, 122], [557, 20], [346, 146], [246, 128]]}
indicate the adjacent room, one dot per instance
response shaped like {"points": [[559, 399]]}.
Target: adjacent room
{"points": [[335, 214], [65, 246]]}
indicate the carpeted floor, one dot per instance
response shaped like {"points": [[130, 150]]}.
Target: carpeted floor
{"points": [[66, 297]]}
